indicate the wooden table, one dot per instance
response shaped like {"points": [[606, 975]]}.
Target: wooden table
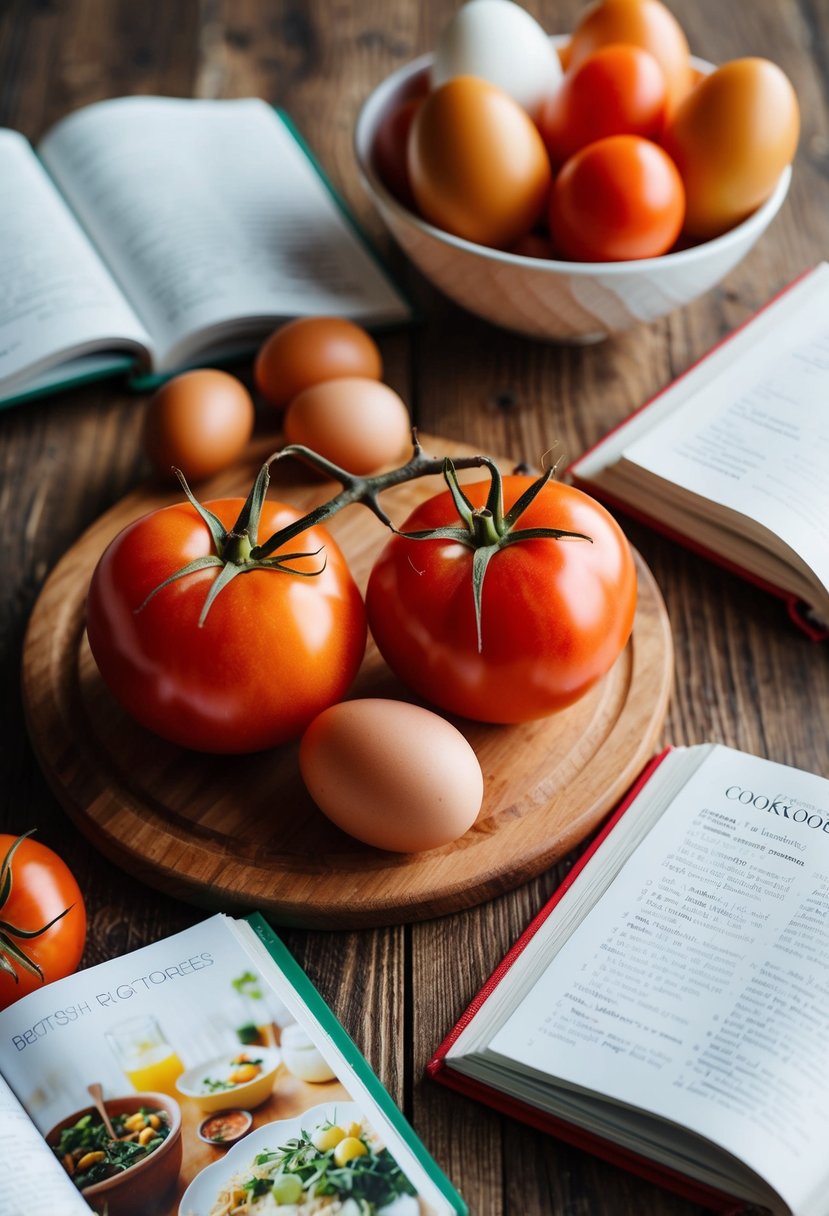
{"points": [[743, 675]]}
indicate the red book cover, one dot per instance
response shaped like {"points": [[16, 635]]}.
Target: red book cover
{"points": [[797, 611], [440, 1071]]}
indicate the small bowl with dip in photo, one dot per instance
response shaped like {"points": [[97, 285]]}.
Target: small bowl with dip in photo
{"points": [[225, 1127]]}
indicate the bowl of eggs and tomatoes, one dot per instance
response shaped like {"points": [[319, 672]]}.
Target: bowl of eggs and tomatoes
{"points": [[570, 187]]}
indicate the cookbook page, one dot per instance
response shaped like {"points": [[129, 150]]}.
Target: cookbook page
{"points": [[213, 219], [757, 440], [747, 429], [58, 301], [697, 989], [222, 1102]]}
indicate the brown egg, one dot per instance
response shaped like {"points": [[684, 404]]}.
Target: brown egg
{"points": [[477, 164], [393, 775], [358, 424], [198, 422], [310, 350], [731, 138]]}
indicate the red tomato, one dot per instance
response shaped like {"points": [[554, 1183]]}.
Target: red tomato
{"points": [[618, 90], [555, 614], [42, 888], [645, 23], [274, 651], [618, 198]]}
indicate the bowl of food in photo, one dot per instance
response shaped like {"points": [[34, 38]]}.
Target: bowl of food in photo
{"points": [[225, 1127], [128, 1175], [529, 215], [241, 1079]]}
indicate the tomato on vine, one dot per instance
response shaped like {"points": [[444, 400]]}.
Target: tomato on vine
{"points": [[215, 642], [210, 639], [42, 917], [503, 602]]}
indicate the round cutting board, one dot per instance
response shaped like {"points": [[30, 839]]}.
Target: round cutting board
{"points": [[242, 833]]}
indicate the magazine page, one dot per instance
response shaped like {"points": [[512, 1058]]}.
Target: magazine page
{"points": [[54, 1192], [222, 1103], [243, 231]]}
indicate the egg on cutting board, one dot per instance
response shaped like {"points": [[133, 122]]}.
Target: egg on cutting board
{"points": [[391, 774], [501, 42]]}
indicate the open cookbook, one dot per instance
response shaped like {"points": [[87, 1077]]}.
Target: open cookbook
{"points": [[146, 234], [230, 1087], [669, 1007], [731, 459]]}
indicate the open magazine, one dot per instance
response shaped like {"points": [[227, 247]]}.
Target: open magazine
{"points": [[230, 1088]]}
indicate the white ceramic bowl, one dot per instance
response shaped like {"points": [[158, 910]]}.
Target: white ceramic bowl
{"points": [[556, 300]]}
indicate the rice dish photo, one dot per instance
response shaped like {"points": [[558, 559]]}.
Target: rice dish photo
{"points": [[331, 1170]]}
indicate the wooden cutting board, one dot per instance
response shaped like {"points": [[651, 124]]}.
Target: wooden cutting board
{"points": [[184, 822]]}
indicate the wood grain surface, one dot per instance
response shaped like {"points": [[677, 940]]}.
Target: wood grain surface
{"points": [[185, 823], [743, 676]]}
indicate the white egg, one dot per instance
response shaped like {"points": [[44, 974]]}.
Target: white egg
{"points": [[500, 42]]}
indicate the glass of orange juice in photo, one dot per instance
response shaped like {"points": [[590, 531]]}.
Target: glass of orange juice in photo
{"points": [[147, 1059]]}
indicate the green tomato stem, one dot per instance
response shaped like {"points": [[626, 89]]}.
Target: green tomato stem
{"points": [[486, 530], [356, 489], [237, 548], [12, 955]]}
